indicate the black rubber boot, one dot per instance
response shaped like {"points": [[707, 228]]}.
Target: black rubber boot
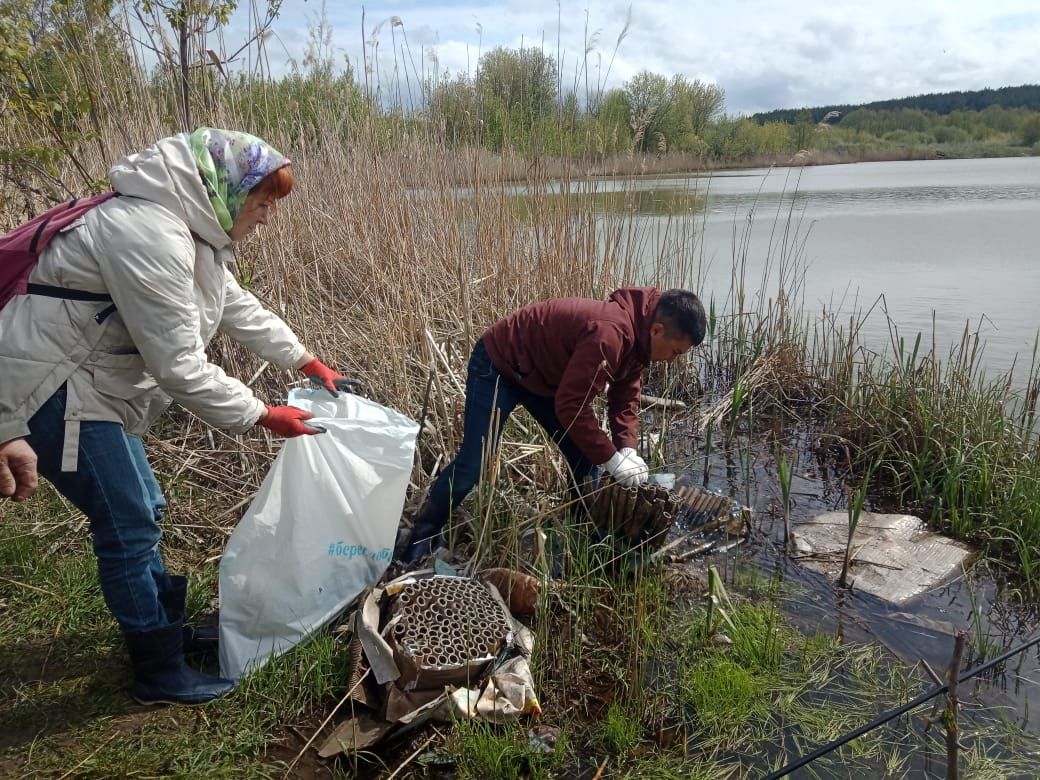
{"points": [[200, 640], [161, 675]]}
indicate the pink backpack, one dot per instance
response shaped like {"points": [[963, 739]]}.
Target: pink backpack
{"points": [[21, 248]]}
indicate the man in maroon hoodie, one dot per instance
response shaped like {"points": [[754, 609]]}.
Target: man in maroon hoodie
{"points": [[553, 358]]}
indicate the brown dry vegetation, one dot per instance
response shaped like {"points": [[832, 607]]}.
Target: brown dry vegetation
{"points": [[385, 268]]}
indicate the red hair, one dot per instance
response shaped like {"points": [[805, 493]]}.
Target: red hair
{"points": [[277, 184]]}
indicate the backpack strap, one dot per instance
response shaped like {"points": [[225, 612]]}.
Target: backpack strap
{"points": [[52, 291]]}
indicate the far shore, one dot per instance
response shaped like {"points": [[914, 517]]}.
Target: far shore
{"points": [[507, 167]]}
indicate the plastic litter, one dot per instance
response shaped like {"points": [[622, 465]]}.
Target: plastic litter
{"points": [[319, 531], [894, 557]]}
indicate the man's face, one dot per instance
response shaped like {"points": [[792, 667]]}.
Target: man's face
{"points": [[255, 211], [665, 347]]}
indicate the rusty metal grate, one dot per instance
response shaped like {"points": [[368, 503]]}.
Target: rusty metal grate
{"points": [[643, 515], [700, 507]]}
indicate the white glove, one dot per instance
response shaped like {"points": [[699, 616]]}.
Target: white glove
{"points": [[627, 468]]}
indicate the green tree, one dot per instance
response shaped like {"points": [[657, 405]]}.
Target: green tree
{"points": [[692, 106], [55, 55], [454, 110], [670, 113], [998, 118], [521, 80], [1031, 130], [613, 130], [775, 138], [701, 103], [731, 138], [646, 95], [191, 22], [803, 130]]}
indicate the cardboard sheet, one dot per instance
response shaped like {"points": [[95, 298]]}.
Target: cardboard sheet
{"points": [[894, 557]]}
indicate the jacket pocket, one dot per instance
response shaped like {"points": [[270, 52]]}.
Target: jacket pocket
{"points": [[120, 376]]}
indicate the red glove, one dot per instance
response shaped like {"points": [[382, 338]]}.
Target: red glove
{"points": [[287, 421], [322, 375]]}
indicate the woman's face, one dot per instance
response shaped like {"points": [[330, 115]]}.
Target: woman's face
{"points": [[257, 210]]}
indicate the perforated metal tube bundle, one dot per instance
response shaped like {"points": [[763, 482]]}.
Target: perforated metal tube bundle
{"points": [[459, 626]]}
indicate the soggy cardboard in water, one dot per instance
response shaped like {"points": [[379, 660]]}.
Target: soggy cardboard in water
{"points": [[894, 557]]}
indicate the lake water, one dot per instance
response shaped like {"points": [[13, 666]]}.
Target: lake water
{"points": [[957, 240], [949, 242]]}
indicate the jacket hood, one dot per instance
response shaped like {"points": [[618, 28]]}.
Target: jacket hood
{"points": [[639, 303], [165, 173]]}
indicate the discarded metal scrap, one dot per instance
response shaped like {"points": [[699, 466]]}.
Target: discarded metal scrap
{"points": [[435, 647], [644, 515], [445, 630]]}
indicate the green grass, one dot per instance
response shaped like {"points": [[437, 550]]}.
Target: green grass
{"points": [[619, 731], [627, 674], [67, 678], [740, 702], [724, 695], [483, 750]]}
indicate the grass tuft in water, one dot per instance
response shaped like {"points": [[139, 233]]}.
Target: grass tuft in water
{"points": [[483, 750]]}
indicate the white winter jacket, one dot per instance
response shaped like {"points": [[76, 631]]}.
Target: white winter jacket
{"points": [[161, 255]]}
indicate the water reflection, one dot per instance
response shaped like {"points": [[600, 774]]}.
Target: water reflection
{"points": [[922, 198], [951, 245], [664, 201]]}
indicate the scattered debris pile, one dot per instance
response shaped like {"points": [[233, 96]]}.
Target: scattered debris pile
{"points": [[431, 646]]}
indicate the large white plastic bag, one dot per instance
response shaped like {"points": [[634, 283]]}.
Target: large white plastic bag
{"points": [[320, 529]]}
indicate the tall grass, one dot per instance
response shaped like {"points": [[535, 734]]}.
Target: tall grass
{"points": [[952, 442], [387, 268]]}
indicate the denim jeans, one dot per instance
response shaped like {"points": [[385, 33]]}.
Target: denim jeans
{"points": [[488, 391], [115, 488]]}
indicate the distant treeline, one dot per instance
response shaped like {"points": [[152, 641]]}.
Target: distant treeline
{"points": [[1026, 96], [73, 84]]}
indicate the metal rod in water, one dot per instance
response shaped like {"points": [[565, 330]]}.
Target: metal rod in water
{"points": [[892, 714]]}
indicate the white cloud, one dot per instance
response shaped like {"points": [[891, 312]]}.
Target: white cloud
{"points": [[764, 54]]}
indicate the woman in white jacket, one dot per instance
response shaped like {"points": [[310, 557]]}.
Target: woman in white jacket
{"points": [[83, 379]]}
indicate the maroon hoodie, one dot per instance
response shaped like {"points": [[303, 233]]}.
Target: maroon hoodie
{"points": [[569, 349]]}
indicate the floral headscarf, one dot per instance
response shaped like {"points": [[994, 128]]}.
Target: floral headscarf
{"points": [[231, 163]]}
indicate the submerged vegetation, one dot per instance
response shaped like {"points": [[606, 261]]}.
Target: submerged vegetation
{"points": [[380, 262]]}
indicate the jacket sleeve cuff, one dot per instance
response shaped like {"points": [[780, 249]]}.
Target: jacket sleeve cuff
{"points": [[256, 409], [294, 356], [598, 452]]}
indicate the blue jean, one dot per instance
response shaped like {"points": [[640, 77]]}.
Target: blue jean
{"points": [[115, 488], [487, 391]]}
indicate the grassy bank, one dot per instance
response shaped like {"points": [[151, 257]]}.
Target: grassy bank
{"points": [[640, 675]]}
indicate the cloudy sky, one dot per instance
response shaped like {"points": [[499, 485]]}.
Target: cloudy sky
{"points": [[764, 55]]}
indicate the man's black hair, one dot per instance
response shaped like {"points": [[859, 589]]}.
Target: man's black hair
{"points": [[681, 312]]}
